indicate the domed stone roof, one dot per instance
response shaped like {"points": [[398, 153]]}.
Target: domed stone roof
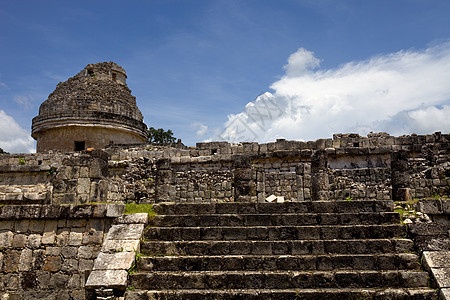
{"points": [[97, 96]]}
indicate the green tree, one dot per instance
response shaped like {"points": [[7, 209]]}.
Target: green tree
{"points": [[160, 136]]}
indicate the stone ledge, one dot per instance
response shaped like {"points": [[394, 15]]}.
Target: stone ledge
{"points": [[445, 293], [442, 277], [118, 254], [110, 278], [436, 262], [138, 218], [435, 206], [37, 211]]}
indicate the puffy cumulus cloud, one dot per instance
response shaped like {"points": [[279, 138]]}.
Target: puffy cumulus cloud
{"points": [[201, 129], [401, 93], [14, 138]]}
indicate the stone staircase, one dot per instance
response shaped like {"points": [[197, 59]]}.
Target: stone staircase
{"points": [[292, 250]]}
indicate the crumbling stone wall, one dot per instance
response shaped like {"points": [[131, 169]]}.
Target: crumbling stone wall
{"points": [[347, 166], [82, 179], [57, 179], [364, 183], [48, 251]]}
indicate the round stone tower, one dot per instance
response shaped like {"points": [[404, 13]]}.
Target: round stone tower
{"points": [[90, 110]]}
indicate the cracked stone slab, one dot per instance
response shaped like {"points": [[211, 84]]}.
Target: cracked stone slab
{"points": [[138, 218], [114, 261], [112, 246], [125, 232], [442, 276], [109, 278], [445, 294], [436, 259]]}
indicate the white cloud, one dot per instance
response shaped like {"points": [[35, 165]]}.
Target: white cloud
{"points": [[3, 85], [14, 138], [201, 128], [25, 102], [401, 93]]}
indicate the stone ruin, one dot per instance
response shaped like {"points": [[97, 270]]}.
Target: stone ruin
{"points": [[348, 217], [90, 110], [62, 228]]}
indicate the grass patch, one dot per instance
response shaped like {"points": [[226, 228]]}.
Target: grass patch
{"points": [[438, 197], [133, 208]]}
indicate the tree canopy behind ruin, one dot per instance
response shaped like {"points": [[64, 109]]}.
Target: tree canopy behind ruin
{"points": [[160, 136]]}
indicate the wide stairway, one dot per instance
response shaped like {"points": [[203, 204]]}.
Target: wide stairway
{"points": [[292, 250]]}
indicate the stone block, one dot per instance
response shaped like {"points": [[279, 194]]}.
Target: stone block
{"points": [[111, 246], [52, 264], [84, 172], [85, 265], [442, 277], [74, 282], [114, 261], [34, 241], [445, 206], [37, 226], [11, 260], [125, 232], [85, 252], [99, 210], [6, 225], [114, 210], [430, 206], [58, 280], [69, 252], [93, 237], [76, 223], [436, 259], [69, 198], [62, 239], [26, 259], [38, 259], [48, 238], [107, 278], [79, 294], [138, 218], [69, 265], [21, 226], [43, 279], [445, 293], [75, 238], [96, 224], [19, 241], [12, 283], [53, 251]]}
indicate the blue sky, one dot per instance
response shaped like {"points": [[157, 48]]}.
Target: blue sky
{"points": [[198, 67]]}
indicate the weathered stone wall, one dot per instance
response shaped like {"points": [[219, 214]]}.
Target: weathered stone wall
{"points": [[64, 138], [47, 252], [347, 166], [57, 179]]}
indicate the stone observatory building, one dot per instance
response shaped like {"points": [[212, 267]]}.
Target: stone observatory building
{"points": [[90, 110]]}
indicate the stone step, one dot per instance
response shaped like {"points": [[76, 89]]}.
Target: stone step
{"points": [[338, 206], [277, 279], [403, 261], [286, 294], [259, 233], [289, 247], [288, 219]]}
